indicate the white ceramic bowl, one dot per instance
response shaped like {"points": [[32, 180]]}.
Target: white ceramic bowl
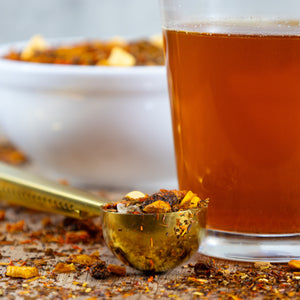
{"points": [[97, 127]]}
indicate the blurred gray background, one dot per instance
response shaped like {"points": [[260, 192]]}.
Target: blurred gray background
{"points": [[21, 19]]}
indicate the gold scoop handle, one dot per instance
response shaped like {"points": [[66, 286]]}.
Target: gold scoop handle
{"points": [[19, 187]]}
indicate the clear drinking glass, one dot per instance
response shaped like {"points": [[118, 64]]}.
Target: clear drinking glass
{"points": [[234, 86]]}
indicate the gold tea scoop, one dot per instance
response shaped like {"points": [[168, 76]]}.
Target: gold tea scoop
{"points": [[147, 242]]}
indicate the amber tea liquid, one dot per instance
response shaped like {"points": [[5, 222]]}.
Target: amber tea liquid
{"points": [[235, 101]]}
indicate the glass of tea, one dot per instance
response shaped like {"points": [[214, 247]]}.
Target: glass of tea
{"points": [[234, 85]]}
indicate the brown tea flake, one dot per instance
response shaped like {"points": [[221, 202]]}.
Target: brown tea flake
{"points": [[49, 252], [203, 269], [74, 237], [2, 215], [116, 270], [197, 280], [157, 207], [15, 227], [99, 270], [46, 222], [40, 262], [83, 259]]}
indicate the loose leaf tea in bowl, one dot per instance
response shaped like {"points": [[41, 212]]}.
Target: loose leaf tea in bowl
{"points": [[114, 52]]}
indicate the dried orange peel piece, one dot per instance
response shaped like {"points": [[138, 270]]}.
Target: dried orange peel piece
{"points": [[64, 268], [190, 200], [22, 272], [294, 264], [157, 207]]}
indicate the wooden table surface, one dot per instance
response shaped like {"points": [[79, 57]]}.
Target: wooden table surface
{"points": [[216, 279], [227, 280]]}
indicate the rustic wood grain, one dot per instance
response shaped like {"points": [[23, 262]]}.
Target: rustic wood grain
{"points": [[135, 285]]}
